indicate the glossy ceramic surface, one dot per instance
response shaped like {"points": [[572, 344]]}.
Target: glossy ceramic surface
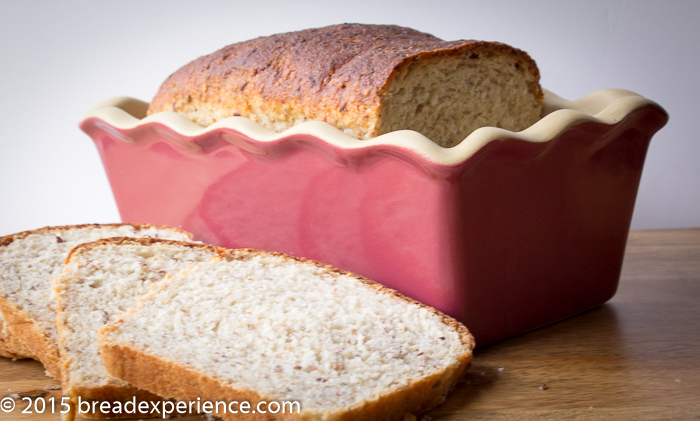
{"points": [[506, 231]]}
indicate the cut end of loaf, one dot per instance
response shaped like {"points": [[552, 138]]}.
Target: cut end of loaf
{"points": [[449, 97]]}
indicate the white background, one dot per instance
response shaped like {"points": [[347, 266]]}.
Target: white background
{"points": [[60, 58]]}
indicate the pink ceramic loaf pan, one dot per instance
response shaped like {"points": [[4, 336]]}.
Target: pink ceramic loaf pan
{"points": [[506, 231]]}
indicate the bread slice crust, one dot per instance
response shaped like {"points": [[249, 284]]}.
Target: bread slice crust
{"points": [[10, 346]]}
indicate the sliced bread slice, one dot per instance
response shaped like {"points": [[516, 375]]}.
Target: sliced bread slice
{"points": [[28, 262], [100, 281], [263, 327]]}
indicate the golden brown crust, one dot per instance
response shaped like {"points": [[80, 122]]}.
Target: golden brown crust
{"points": [[142, 241], [30, 337], [25, 337], [7, 239], [337, 74], [10, 347], [173, 380]]}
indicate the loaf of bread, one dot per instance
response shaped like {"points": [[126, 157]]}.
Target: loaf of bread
{"points": [[28, 262], [366, 80], [100, 281], [258, 326]]}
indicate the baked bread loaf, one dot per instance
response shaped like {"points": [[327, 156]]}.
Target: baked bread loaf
{"points": [[258, 326], [28, 262], [366, 80], [100, 281]]}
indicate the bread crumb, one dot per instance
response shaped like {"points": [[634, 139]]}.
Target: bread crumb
{"points": [[280, 277], [501, 368]]}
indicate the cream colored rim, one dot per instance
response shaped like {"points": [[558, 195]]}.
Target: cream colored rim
{"points": [[607, 106]]}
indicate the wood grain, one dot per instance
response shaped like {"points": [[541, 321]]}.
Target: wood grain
{"points": [[636, 357]]}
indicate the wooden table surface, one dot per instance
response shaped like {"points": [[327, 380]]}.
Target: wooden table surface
{"points": [[634, 358]]}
